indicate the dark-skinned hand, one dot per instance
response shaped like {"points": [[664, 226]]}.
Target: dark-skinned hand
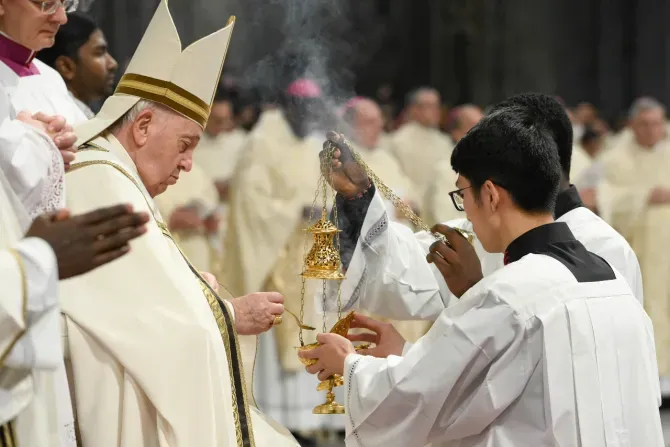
{"points": [[458, 263], [345, 176], [84, 242]]}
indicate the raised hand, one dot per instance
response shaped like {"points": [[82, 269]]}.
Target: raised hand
{"points": [[345, 175], [84, 242], [458, 262]]}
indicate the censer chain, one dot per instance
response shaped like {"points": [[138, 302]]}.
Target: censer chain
{"points": [[337, 243], [304, 258], [389, 195]]}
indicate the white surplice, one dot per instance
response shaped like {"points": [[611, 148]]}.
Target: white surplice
{"points": [[43, 92], [30, 342], [389, 276], [156, 360], [33, 167], [31, 162], [527, 357], [419, 149]]}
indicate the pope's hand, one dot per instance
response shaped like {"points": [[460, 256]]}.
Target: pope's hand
{"points": [[331, 354], [211, 280], [57, 129], [458, 263], [255, 313], [386, 338], [346, 176]]}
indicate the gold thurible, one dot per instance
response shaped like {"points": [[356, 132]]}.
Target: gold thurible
{"points": [[323, 262]]}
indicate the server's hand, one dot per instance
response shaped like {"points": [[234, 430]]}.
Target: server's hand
{"points": [[345, 175], [384, 336], [458, 263], [331, 355], [84, 242]]}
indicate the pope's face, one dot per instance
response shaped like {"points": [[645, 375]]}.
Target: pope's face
{"points": [[25, 23], [167, 150]]}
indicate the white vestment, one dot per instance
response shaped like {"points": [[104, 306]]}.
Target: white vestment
{"points": [[276, 179], [195, 190], [218, 157], [31, 162], [419, 149], [33, 167], [389, 276], [44, 92], [527, 357], [156, 359], [30, 343]]}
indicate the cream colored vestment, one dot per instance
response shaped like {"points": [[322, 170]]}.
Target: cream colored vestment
{"points": [[155, 356], [630, 173]]}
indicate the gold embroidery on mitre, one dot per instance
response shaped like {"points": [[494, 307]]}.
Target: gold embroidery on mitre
{"points": [[166, 93]]}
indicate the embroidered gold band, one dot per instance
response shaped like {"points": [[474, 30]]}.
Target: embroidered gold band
{"points": [[225, 322], [166, 93], [7, 435]]}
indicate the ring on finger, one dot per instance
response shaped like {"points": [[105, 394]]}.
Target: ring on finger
{"points": [[277, 320]]}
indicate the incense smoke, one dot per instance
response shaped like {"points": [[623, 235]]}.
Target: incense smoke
{"points": [[313, 39]]}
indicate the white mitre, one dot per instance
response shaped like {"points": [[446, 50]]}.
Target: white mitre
{"points": [[185, 81]]}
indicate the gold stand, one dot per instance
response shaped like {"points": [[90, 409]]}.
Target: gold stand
{"points": [[330, 406]]}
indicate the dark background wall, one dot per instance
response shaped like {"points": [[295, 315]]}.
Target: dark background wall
{"points": [[603, 51]]}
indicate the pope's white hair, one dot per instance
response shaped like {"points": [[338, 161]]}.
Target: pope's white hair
{"points": [[131, 115], [643, 104]]}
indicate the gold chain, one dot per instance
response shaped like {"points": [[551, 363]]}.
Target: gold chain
{"points": [[304, 258], [337, 244], [395, 200]]}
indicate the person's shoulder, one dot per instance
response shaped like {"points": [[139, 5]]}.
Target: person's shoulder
{"points": [[49, 73], [522, 284], [595, 234]]}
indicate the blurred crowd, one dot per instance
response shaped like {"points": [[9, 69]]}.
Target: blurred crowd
{"points": [[240, 211]]}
